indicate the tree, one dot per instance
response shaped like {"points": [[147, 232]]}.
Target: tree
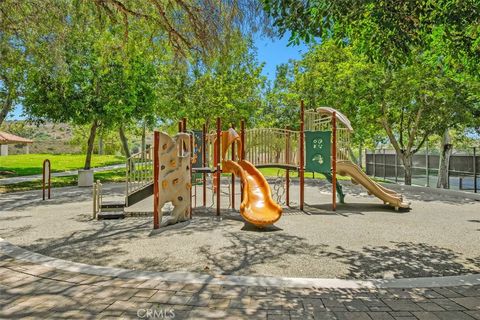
{"points": [[229, 85], [408, 105], [390, 32], [20, 23], [98, 79], [443, 34]]}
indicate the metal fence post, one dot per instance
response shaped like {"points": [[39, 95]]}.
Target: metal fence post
{"points": [[396, 166], [384, 166], [374, 161], [475, 187], [426, 165], [366, 162]]}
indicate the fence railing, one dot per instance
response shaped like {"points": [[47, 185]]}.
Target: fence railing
{"points": [[270, 146], [462, 172], [139, 171]]}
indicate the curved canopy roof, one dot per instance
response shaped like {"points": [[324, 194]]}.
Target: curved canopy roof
{"points": [[340, 116]]}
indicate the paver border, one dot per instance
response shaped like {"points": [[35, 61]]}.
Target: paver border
{"points": [[19, 253]]}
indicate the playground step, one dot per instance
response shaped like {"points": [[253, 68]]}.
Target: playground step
{"points": [[111, 215], [112, 206]]}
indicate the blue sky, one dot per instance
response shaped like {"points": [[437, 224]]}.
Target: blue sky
{"points": [[275, 52], [271, 52]]}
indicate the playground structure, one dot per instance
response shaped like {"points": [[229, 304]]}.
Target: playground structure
{"points": [[321, 145]]}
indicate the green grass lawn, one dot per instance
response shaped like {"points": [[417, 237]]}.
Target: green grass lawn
{"points": [[29, 164], [118, 175], [104, 176]]}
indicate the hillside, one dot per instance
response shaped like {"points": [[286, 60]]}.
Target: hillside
{"points": [[48, 138]]}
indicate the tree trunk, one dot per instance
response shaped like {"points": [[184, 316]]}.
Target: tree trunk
{"points": [[124, 140], [7, 106], [407, 165], [447, 148], [100, 145], [90, 143]]}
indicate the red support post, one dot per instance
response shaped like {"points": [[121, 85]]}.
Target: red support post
{"points": [[191, 177], [204, 164], [334, 161], [233, 176], [156, 167], [301, 169], [287, 173], [184, 124], [242, 152], [180, 126], [217, 160]]}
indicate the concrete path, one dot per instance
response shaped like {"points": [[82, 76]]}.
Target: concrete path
{"points": [[14, 180], [38, 291]]}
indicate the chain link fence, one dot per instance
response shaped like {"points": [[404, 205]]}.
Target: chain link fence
{"points": [[462, 171]]}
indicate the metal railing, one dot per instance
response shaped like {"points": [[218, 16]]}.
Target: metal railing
{"points": [[139, 168]]}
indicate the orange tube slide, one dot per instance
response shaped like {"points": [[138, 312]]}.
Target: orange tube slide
{"points": [[258, 206]]}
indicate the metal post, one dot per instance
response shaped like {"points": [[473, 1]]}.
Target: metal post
{"points": [[217, 162], [427, 171], [242, 152], [46, 178], [396, 166], [366, 162], [334, 161], [156, 160], [233, 175], [287, 173], [301, 169], [384, 165], [475, 186], [191, 177], [184, 124], [374, 161], [204, 164]]}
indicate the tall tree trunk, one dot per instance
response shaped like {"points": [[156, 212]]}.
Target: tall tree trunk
{"points": [[100, 144], [90, 143], [446, 152], [407, 165], [123, 138], [7, 106]]}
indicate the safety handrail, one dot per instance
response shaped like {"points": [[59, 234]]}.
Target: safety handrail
{"points": [[139, 170]]}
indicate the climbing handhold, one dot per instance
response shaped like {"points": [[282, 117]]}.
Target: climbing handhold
{"points": [[164, 184]]}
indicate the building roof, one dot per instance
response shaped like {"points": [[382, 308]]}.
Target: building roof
{"points": [[8, 138]]}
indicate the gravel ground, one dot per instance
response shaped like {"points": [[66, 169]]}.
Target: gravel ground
{"points": [[363, 239]]}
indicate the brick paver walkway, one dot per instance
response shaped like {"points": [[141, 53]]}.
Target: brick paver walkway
{"points": [[35, 291]]}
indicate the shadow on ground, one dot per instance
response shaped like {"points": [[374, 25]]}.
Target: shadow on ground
{"points": [[101, 243]]}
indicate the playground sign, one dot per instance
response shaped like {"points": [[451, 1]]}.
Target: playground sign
{"points": [[318, 151]]}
